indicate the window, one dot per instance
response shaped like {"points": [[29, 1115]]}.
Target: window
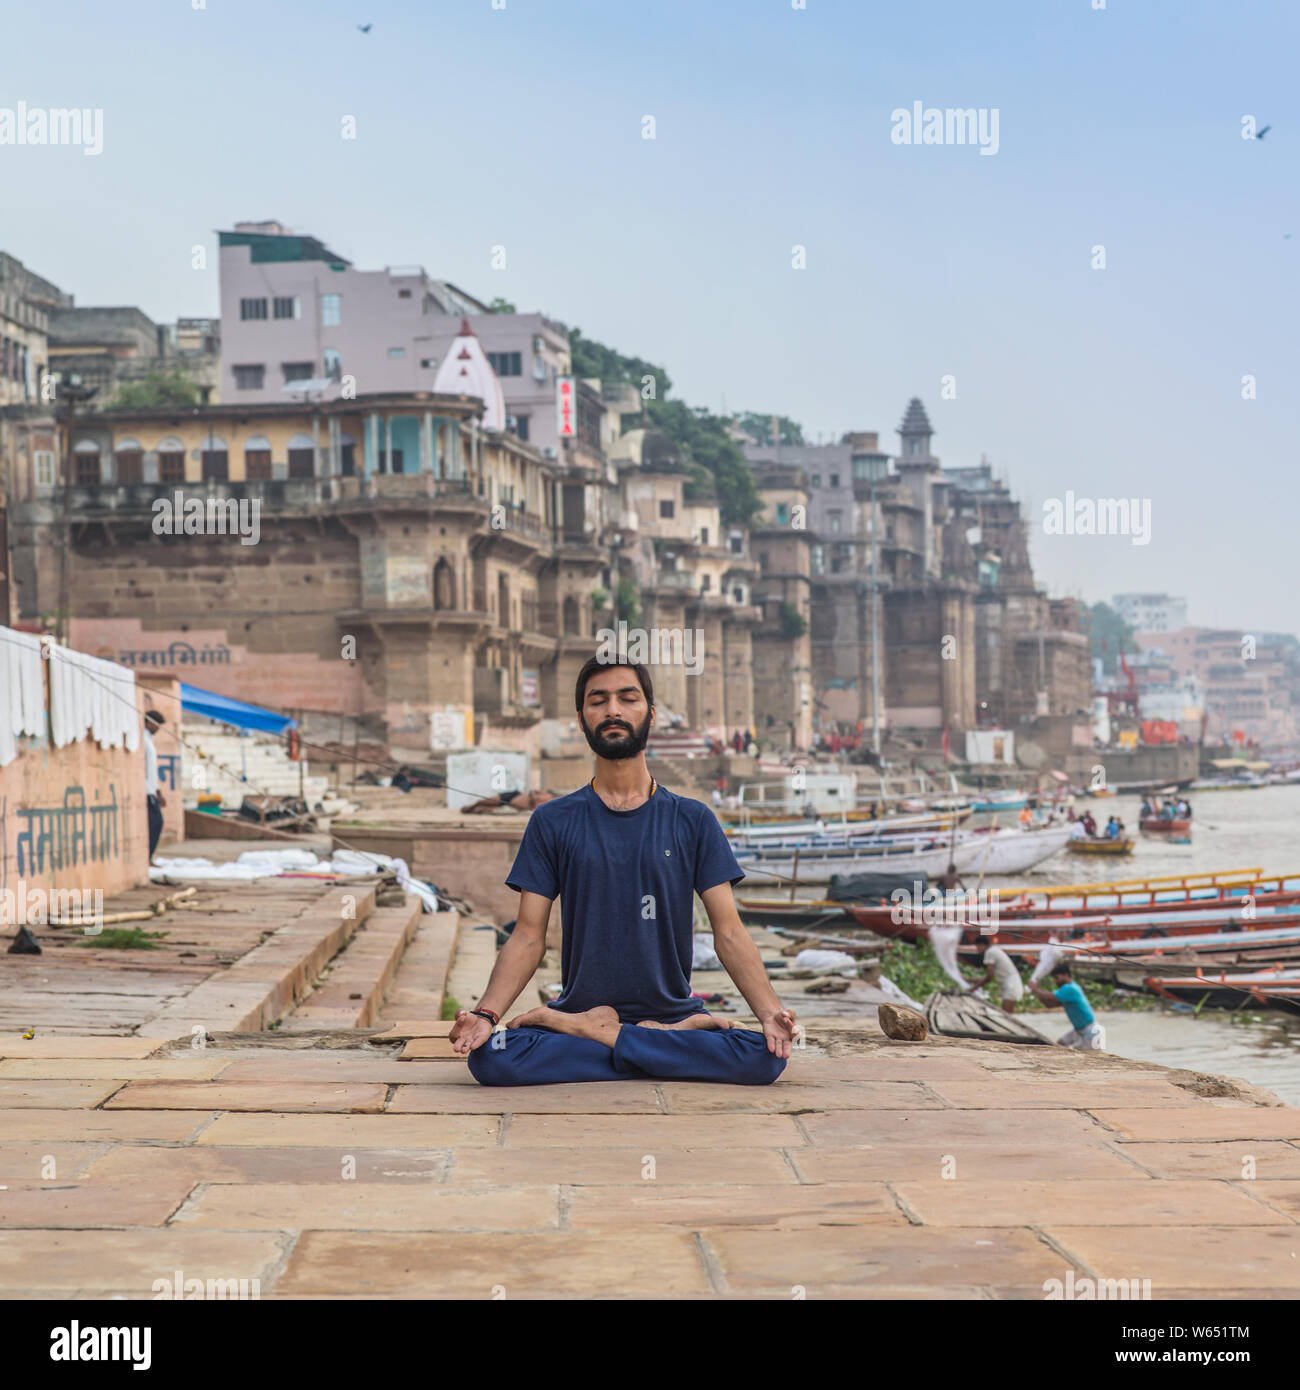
{"points": [[738, 594], [287, 307], [782, 514], [43, 459], [257, 465], [171, 461], [252, 309], [396, 461], [88, 470], [250, 378], [507, 363], [333, 364], [704, 535], [129, 458], [706, 583], [403, 294], [215, 459], [836, 518], [348, 456], [330, 307], [297, 371], [666, 507], [302, 456], [521, 426], [816, 480], [397, 352], [835, 480], [737, 543]]}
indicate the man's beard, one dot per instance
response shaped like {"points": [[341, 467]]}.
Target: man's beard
{"points": [[632, 742]]}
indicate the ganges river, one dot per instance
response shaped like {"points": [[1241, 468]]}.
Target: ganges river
{"points": [[1257, 828]]}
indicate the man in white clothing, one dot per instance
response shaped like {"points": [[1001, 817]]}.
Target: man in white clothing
{"points": [[152, 791]]}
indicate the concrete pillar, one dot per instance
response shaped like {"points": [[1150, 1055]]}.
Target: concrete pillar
{"points": [[426, 442], [370, 453], [315, 445], [388, 441]]}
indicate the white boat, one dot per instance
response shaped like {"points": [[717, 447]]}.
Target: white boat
{"points": [[991, 852]]}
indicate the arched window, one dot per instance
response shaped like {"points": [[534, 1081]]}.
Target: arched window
{"points": [[216, 459], [257, 458], [572, 615], [333, 364], [128, 457], [89, 473], [171, 460], [444, 585], [302, 456]]}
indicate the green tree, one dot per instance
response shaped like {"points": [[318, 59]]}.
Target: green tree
{"points": [[759, 427], [1111, 635], [158, 389], [501, 306]]}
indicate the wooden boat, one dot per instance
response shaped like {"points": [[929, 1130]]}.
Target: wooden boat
{"points": [[1000, 801], [1262, 989], [954, 1015], [987, 852], [1100, 845], [1156, 826]]}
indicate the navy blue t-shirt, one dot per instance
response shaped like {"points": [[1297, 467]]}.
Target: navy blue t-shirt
{"points": [[626, 882]]}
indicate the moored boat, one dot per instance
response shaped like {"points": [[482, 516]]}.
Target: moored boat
{"points": [[1155, 825], [1100, 845]]}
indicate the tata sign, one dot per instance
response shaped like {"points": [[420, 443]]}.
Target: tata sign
{"points": [[566, 408]]}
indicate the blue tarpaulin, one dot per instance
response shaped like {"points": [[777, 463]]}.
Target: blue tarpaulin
{"points": [[230, 711]]}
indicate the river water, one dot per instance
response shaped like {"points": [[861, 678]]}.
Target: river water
{"points": [[1259, 828]]}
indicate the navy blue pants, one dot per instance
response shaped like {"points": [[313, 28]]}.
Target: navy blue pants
{"points": [[537, 1057], [155, 823]]}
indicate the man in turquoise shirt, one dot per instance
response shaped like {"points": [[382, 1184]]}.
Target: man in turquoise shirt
{"points": [[1086, 1033]]}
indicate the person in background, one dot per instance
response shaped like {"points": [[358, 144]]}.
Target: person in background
{"points": [[1112, 829], [1085, 1032], [1026, 817], [1089, 825], [1000, 967], [154, 798]]}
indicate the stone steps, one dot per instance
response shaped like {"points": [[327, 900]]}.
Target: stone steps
{"points": [[420, 983], [354, 985], [259, 989]]}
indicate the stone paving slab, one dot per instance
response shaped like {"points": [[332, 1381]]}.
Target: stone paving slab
{"points": [[404, 1029], [646, 1131], [1229, 1159], [346, 1131], [757, 1205], [1072, 1093], [1189, 1257], [28, 1162], [967, 1161], [790, 1096], [278, 1096], [837, 1261], [1081, 1201], [271, 1065], [85, 1205], [845, 1127], [98, 1263], [53, 1094], [213, 1163], [420, 1048], [50, 1045], [587, 1167], [156, 1127], [1205, 1122], [355, 1206], [599, 1098], [651, 1264], [200, 1067]]}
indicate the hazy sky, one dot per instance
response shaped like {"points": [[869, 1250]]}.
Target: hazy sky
{"points": [[522, 127]]}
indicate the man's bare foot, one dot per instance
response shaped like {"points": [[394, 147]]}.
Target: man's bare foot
{"points": [[601, 1023], [694, 1021]]}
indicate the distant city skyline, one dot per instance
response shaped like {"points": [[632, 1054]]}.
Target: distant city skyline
{"points": [[516, 135]]}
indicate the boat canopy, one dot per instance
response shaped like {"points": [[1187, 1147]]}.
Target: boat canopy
{"points": [[227, 711]]}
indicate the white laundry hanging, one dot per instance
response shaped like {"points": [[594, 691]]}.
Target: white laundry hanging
{"points": [[22, 691], [91, 696]]}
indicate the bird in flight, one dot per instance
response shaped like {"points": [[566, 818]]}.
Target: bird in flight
{"points": [[1262, 132], [366, 28]]}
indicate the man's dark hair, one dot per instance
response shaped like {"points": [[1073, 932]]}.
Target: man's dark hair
{"points": [[1063, 968], [595, 664], [154, 715]]}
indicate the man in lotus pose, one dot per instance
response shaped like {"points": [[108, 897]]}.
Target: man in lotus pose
{"points": [[626, 857]]}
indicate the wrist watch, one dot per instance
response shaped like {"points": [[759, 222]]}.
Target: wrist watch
{"points": [[492, 1018]]}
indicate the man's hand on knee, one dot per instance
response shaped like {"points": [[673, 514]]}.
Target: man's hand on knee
{"points": [[468, 1032], [779, 1030]]}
